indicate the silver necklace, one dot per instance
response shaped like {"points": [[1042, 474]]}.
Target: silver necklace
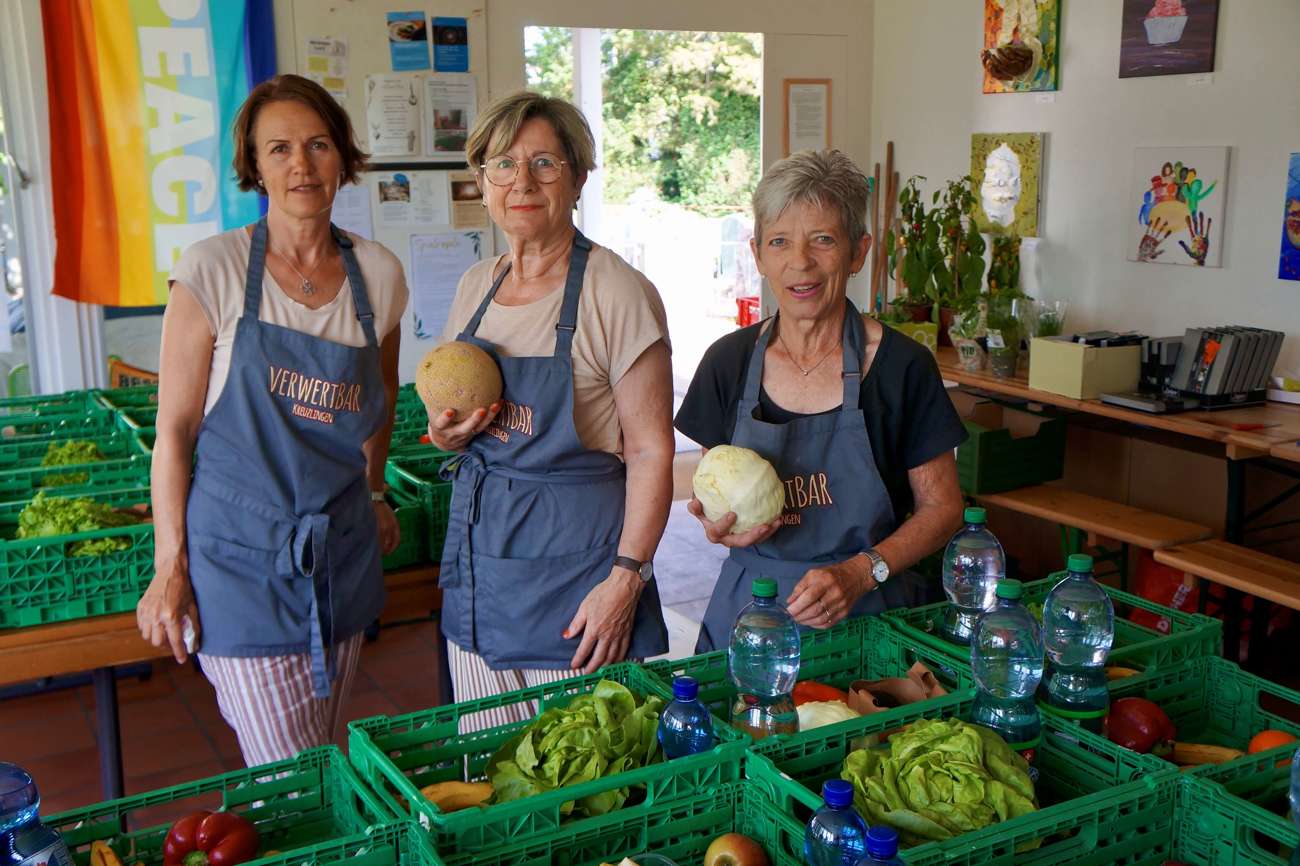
{"points": [[307, 287], [790, 355]]}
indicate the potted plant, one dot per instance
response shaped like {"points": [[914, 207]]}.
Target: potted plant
{"points": [[965, 334], [937, 253], [1004, 331]]}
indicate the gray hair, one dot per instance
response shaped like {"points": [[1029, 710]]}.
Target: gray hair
{"points": [[496, 128], [825, 178]]}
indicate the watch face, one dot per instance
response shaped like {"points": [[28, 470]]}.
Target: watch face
{"points": [[880, 571], [647, 571]]}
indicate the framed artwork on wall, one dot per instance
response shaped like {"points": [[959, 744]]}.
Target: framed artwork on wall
{"points": [[807, 114], [1021, 45], [1288, 265], [1007, 170], [1178, 196], [1168, 37]]}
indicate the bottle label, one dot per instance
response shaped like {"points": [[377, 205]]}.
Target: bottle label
{"points": [[54, 855], [1029, 751]]}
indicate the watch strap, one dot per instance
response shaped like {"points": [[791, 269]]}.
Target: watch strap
{"points": [[635, 566]]}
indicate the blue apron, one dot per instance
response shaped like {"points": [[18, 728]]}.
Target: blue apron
{"points": [[535, 515], [283, 542], [836, 503]]}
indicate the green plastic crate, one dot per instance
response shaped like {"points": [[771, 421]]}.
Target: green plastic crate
{"points": [[413, 548], [137, 418], [29, 452], [414, 473], [1191, 635], [127, 398], [855, 649], [1214, 828], [26, 482], [400, 754], [1099, 804], [20, 427], [991, 460], [680, 830], [1212, 700], [295, 804], [66, 403], [40, 583]]}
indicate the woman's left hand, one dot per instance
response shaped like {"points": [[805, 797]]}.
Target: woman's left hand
{"points": [[605, 620], [825, 595], [389, 534]]}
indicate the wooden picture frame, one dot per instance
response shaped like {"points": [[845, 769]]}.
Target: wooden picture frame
{"points": [[810, 91]]}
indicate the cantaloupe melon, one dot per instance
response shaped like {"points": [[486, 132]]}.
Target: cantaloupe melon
{"points": [[458, 376]]}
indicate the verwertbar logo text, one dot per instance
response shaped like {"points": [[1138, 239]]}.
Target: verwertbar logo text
{"points": [[803, 491], [315, 399], [512, 417]]}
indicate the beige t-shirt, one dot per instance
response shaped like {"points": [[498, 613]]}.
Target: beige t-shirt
{"points": [[620, 315], [214, 271]]}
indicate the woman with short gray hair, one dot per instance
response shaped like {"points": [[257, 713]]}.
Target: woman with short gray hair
{"points": [[852, 415]]}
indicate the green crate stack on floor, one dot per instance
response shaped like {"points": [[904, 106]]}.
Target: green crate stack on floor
{"points": [[310, 809], [1137, 646], [399, 755], [412, 472]]}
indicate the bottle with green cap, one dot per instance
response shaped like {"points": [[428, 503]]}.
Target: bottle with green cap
{"points": [[1078, 632], [973, 564], [1006, 655], [763, 658]]}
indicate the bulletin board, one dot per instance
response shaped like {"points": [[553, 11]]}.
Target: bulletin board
{"points": [[419, 203]]}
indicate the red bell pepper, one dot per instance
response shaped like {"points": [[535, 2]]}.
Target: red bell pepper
{"points": [[810, 692], [211, 839], [1140, 725]]}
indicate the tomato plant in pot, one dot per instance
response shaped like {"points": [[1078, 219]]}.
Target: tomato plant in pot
{"points": [[937, 253]]}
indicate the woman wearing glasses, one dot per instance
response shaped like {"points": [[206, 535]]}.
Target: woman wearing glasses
{"points": [[563, 487]]}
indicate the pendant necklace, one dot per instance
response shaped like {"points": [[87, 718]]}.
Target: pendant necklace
{"points": [[307, 287], [790, 355]]}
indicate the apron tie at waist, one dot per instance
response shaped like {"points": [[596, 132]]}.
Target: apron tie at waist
{"points": [[309, 555], [780, 568], [477, 471]]}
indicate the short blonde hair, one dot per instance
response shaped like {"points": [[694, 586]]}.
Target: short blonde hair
{"points": [[498, 126], [825, 178]]}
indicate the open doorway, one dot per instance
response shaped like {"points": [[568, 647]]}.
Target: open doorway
{"points": [[676, 118]]}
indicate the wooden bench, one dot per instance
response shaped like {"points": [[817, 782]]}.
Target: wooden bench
{"points": [[1237, 567], [1099, 517]]}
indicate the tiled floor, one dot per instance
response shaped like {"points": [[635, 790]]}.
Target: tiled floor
{"points": [[172, 731]]}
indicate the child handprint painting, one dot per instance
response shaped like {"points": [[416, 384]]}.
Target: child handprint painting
{"points": [[1176, 215]]}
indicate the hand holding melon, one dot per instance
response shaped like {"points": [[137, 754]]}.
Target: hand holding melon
{"points": [[459, 384]]}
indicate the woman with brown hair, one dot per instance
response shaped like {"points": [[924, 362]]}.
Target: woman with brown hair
{"points": [[278, 379]]}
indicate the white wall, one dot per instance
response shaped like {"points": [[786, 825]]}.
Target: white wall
{"points": [[927, 98]]}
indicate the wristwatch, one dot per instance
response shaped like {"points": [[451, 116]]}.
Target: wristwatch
{"points": [[377, 496], [644, 570], [879, 568]]}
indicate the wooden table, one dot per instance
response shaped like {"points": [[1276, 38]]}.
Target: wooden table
{"points": [[1239, 435], [97, 644]]}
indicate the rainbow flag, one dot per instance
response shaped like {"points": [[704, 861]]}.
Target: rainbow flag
{"points": [[143, 95]]}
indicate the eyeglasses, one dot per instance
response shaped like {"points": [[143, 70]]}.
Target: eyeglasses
{"points": [[544, 167]]}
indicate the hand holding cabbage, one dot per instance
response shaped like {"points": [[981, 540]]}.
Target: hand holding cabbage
{"points": [[737, 481], [939, 779]]}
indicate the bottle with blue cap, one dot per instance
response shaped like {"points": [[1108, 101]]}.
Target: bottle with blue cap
{"points": [[1078, 632], [973, 563], [24, 840], [1294, 796], [836, 834], [1006, 655], [685, 726], [882, 847], [763, 658]]}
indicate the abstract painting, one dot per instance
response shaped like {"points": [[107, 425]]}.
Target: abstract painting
{"points": [[1288, 266], [1021, 45], [1168, 37], [1178, 198], [1007, 170]]}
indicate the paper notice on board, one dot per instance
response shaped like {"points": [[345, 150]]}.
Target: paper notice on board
{"points": [[807, 114], [413, 199], [408, 41], [392, 115], [451, 101], [451, 44], [327, 65], [467, 211], [352, 210], [437, 264]]}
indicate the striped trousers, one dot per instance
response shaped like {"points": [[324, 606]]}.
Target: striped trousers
{"points": [[472, 679], [269, 702]]}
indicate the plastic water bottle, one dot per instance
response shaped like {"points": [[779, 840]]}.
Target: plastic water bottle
{"points": [[882, 847], [763, 658], [685, 726], [1294, 796], [1006, 655], [973, 563], [24, 840], [836, 834], [1078, 631]]}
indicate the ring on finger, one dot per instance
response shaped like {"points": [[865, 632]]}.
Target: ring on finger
{"points": [[826, 614]]}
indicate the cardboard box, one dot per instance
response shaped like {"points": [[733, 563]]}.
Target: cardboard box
{"points": [[1008, 447], [1082, 372]]}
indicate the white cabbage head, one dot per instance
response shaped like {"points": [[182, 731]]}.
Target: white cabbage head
{"points": [[731, 478]]}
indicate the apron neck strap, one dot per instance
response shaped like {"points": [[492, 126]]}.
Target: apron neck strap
{"points": [[854, 340], [568, 322], [257, 267]]}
